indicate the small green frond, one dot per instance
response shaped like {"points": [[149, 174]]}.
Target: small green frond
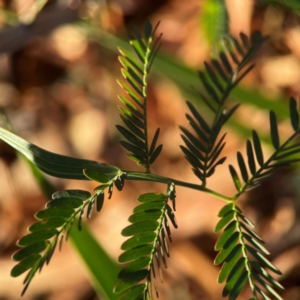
{"points": [[136, 72], [283, 155], [218, 81], [147, 237], [55, 221], [235, 246]]}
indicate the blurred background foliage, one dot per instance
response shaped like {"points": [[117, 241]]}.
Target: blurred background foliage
{"points": [[58, 70]]}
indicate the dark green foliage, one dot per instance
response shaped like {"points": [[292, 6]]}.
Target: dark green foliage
{"points": [[203, 149], [240, 250], [136, 74], [55, 222], [237, 248], [282, 156], [147, 243]]}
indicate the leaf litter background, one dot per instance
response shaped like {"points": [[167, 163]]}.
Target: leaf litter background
{"points": [[58, 90]]}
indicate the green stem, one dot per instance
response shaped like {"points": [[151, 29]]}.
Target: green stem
{"points": [[142, 176]]}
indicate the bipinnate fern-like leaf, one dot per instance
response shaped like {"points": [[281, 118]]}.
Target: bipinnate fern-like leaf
{"points": [[256, 168], [146, 246], [134, 113], [242, 255], [203, 149]]}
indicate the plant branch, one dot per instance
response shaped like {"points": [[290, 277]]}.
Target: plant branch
{"points": [[143, 176]]}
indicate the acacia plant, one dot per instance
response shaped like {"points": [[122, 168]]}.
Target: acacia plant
{"points": [[240, 250]]}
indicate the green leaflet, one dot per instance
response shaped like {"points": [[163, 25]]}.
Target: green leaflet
{"points": [[274, 130], [150, 197], [234, 275], [138, 240], [53, 212], [65, 201], [237, 287], [38, 236], [28, 250], [230, 262], [294, 115], [224, 220], [138, 264], [134, 292], [130, 280], [235, 178], [135, 253], [25, 264], [227, 248], [145, 215], [258, 149], [227, 233], [149, 206], [140, 227], [47, 224], [225, 209]]}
